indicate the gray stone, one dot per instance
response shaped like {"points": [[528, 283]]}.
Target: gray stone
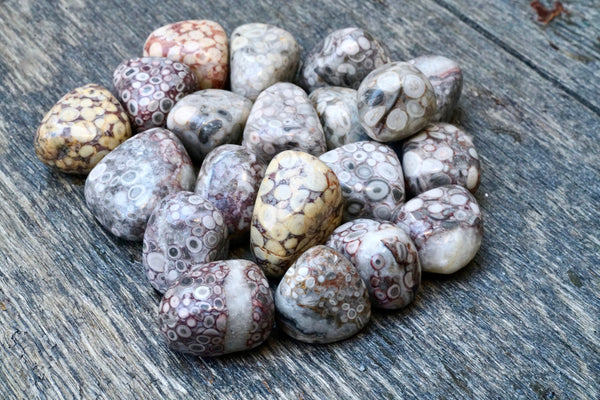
{"points": [[125, 186], [261, 55], [207, 119]]}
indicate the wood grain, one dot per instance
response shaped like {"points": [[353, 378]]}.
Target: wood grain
{"points": [[77, 317]]}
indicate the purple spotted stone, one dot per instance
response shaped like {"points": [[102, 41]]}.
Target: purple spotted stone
{"points": [[370, 175], [149, 87], [446, 226], [229, 178], [217, 308], [125, 186], [386, 259], [439, 155], [183, 230]]}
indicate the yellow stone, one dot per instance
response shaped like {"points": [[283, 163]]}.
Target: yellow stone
{"points": [[274, 247], [69, 114], [81, 134], [86, 151], [88, 114]]}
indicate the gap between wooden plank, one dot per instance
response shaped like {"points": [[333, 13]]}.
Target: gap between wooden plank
{"points": [[490, 36]]}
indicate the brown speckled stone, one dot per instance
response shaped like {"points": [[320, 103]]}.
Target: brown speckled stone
{"points": [[200, 44], [299, 204], [81, 129], [322, 298]]}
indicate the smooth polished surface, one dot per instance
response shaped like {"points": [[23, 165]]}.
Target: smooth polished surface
{"points": [[78, 317]]}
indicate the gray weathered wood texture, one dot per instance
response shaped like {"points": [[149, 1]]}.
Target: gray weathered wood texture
{"points": [[77, 317]]}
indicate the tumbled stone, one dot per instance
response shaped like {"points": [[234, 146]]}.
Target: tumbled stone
{"points": [[80, 129], [386, 259], [200, 44], [217, 308], [207, 119], [125, 187], [336, 107], [446, 78], [343, 58], [395, 101], [229, 178], [446, 226], [322, 298], [299, 204], [261, 55], [149, 87], [283, 118], [183, 230], [371, 178], [439, 155]]}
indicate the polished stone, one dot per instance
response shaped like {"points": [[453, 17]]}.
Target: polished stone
{"points": [[322, 298], [124, 188]]}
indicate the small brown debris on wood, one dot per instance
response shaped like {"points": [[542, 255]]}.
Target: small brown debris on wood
{"points": [[546, 15], [2, 306]]}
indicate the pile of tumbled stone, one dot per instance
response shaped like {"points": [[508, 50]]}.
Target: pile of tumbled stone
{"points": [[312, 186]]}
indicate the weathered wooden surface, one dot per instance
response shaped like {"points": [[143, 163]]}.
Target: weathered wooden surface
{"points": [[77, 318]]}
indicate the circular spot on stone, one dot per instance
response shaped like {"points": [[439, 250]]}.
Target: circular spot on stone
{"points": [[377, 190], [413, 86]]}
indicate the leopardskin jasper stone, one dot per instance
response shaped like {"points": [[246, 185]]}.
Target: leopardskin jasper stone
{"points": [[337, 110], [200, 44], [395, 101], [183, 230], [283, 118], [261, 55], [148, 87], [298, 205], [125, 187], [371, 178], [322, 298], [386, 259], [446, 226], [446, 78], [207, 119], [343, 58], [80, 129], [439, 155], [217, 308], [229, 178]]}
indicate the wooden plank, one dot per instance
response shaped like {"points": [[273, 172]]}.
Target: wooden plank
{"points": [[77, 318], [565, 51]]}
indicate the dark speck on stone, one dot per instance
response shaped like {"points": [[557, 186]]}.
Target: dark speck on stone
{"points": [[209, 129], [373, 97]]}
